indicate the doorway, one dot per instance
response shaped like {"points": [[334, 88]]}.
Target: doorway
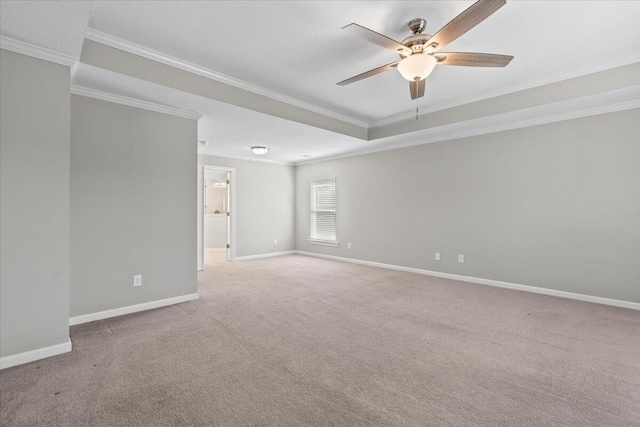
{"points": [[216, 208]]}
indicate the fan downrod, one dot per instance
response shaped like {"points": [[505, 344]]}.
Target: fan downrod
{"points": [[416, 26]]}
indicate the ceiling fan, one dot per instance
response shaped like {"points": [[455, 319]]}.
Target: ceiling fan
{"points": [[420, 52]]}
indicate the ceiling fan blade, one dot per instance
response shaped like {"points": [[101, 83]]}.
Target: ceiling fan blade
{"points": [[469, 59], [368, 74], [376, 38], [475, 14], [417, 89]]}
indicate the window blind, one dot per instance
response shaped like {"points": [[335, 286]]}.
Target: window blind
{"points": [[323, 209]]}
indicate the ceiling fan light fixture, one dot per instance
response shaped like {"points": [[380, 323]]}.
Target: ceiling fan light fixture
{"points": [[416, 67], [259, 150]]}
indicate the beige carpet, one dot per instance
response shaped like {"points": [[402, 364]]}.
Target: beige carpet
{"points": [[214, 256], [299, 341]]}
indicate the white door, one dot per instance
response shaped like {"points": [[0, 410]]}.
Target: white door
{"points": [[200, 220], [228, 217]]}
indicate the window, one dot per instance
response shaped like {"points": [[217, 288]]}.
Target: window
{"points": [[323, 212]]}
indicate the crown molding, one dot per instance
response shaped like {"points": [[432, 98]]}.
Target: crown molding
{"points": [[619, 100], [136, 49], [151, 54], [246, 158], [34, 51], [529, 84], [131, 102]]}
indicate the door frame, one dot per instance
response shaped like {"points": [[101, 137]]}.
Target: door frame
{"points": [[232, 211]]}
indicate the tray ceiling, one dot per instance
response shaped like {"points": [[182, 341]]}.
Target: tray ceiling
{"points": [[298, 49]]}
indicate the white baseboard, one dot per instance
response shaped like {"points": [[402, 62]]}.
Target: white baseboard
{"points": [[33, 355], [489, 282], [91, 317], [269, 255]]}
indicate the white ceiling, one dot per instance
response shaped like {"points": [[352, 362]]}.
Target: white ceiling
{"points": [[297, 48], [229, 130], [56, 25]]}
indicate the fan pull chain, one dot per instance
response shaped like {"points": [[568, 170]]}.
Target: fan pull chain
{"points": [[417, 80]]}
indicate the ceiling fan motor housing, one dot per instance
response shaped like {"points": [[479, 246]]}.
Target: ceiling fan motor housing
{"points": [[415, 42]]}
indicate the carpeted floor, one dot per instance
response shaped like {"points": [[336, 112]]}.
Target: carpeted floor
{"points": [[299, 341]]}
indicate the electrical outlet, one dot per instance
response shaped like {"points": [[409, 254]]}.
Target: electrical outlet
{"points": [[437, 256], [460, 258], [275, 241], [348, 245], [137, 280]]}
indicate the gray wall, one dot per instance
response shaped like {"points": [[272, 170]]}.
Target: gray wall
{"points": [[555, 206], [34, 203], [133, 205], [265, 205]]}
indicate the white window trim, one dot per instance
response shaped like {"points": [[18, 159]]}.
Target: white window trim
{"points": [[321, 242], [333, 243]]}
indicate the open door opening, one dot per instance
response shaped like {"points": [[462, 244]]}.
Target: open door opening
{"points": [[216, 216], [215, 208]]}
